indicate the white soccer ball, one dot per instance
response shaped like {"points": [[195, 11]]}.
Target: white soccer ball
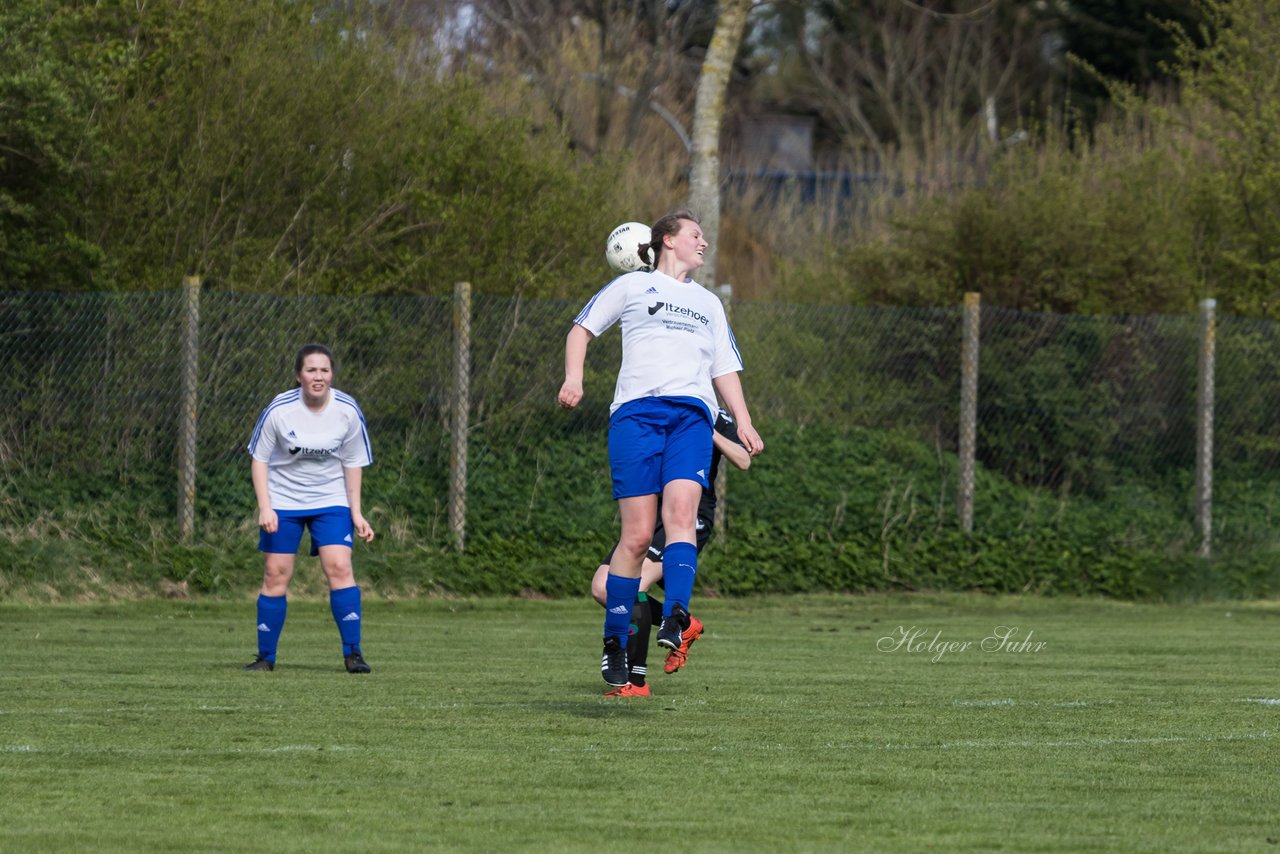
{"points": [[622, 249]]}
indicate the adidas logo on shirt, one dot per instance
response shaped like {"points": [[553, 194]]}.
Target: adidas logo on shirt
{"points": [[652, 290], [352, 616]]}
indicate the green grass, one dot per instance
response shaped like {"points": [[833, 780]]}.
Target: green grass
{"points": [[1134, 728]]}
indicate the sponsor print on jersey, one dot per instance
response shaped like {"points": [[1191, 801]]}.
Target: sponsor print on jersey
{"points": [[678, 318], [680, 311], [312, 452]]}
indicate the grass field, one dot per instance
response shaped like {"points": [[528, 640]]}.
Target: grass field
{"points": [[800, 724]]}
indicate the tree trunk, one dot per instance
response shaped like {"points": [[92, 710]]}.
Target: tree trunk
{"points": [[708, 114]]}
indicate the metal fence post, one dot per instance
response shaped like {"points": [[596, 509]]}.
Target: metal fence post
{"points": [[459, 418], [1204, 426], [722, 479], [968, 409], [188, 411]]}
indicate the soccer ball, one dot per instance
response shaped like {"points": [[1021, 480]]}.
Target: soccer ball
{"points": [[622, 249]]}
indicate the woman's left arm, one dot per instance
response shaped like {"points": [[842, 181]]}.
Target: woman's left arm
{"points": [[353, 478], [730, 389]]}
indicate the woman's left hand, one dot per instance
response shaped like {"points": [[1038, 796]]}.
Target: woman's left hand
{"points": [[750, 439], [570, 394], [363, 529]]}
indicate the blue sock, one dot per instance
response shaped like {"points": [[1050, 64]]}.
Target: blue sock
{"points": [[271, 613], [620, 595], [345, 605], [679, 565]]}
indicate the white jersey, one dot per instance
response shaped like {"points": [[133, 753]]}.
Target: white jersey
{"points": [[305, 451], [675, 337]]}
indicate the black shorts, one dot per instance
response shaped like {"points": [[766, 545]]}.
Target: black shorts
{"points": [[659, 541]]}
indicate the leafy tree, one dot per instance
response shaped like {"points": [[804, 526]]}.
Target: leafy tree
{"points": [[49, 150], [599, 67], [892, 75], [1231, 100], [277, 146], [1134, 42]]}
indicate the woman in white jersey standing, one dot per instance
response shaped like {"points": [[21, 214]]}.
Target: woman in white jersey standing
{"points": [[309, 449], [677, 353]]}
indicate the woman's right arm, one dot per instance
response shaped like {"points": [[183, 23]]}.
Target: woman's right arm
{"points": [[267, 520], [575, 356]]}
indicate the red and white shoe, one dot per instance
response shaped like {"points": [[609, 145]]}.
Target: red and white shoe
{"points": [[678, 657], [630, 690]]}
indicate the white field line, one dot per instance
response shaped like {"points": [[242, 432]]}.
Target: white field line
{"points": [[996, 744], [829, 747], [984, 702], [1053, 744], [169, 710], [182, 751]]}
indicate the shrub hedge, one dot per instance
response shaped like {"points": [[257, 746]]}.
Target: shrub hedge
{"points": [[825, 509]]}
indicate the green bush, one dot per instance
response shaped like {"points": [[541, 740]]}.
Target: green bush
{"points": [[1107, 226], [826, 509]]}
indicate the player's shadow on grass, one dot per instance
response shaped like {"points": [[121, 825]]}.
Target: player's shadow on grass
{"points": [[587, 706], [603, 708], [285, 668]]}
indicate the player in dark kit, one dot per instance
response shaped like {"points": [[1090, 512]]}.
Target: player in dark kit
{"points": [[648, 609]]}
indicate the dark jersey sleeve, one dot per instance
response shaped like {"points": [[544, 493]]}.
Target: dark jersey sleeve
{"points": [[727, 427]]}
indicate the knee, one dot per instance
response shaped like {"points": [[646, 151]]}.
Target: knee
{"points": [[680, 509], [635, 544], [598, 581], [336, 562], [275, 576], [680, 525], [340, 576]]}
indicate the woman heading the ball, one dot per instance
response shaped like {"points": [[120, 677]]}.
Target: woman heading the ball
{"points": [[677, 353], [309, 449]]}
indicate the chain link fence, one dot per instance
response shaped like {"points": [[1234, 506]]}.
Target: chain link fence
{"points": [[1071, 411]]}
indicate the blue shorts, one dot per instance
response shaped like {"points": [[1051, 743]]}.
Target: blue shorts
{"points": [[655, 440], [330, 526]]}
